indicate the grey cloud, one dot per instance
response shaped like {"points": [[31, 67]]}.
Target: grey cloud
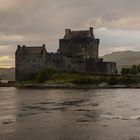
{"points": [[44, 21]]}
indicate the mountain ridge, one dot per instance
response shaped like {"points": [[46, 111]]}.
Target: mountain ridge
{"points": [[124, 58]]}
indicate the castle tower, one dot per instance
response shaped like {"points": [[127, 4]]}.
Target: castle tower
{"points": [[79, 42]]}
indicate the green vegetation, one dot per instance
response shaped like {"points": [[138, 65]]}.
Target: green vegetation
{"points": [[76, 78], [112, 80], [82, 78], [45, 74], [134, 70], [42, 76], [51, 76]]}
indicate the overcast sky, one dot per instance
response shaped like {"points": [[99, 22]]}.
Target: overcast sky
{"points": [[37, 22]]}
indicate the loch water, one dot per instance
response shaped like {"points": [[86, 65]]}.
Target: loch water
{"points": [[100, 114]]}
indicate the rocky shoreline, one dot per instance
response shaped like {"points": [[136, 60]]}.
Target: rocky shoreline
{"points": [[68, 86], [72, 86]]}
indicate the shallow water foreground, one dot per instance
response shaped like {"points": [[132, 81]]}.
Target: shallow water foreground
{"points": [[102, 114]]}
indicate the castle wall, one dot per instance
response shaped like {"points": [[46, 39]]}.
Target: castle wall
{"points": [[57, 61], [100, 67], [72, 47], [27, 64], [80, 67], [93, 49]]}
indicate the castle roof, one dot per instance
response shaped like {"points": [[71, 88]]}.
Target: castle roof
{"points": [[31, 49], [79, 34]]}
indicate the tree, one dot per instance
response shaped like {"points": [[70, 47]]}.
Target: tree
{"points": [[134, 70], [125, 71], [45, 74]]}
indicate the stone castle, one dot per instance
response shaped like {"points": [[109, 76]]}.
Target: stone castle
{"points": [[78, 51]]}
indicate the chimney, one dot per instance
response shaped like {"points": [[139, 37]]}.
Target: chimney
{"points": [[91, 30], [18, 46], [67, 31], [43, 45]]}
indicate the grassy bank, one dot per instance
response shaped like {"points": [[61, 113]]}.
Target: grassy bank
{"points": [[55, 77], [81, 78], [76, 78]]}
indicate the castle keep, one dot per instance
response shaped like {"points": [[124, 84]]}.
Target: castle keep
{"points": [[79, 43], [78, 51]]}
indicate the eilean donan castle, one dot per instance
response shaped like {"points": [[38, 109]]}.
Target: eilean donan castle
{"points": [[78, 51]]}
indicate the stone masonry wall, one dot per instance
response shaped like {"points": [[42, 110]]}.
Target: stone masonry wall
{"points": [[71, 47], [27, 64]]}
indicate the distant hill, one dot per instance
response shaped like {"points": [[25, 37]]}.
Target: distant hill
{"points": [[7, 73], [124, 58]]}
